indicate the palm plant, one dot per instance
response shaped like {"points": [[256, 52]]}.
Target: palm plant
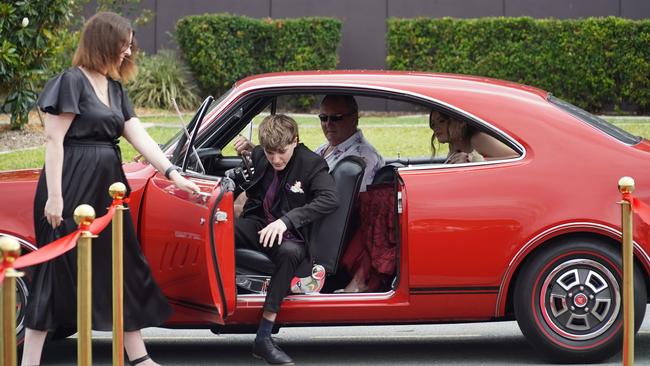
{"points": [[162, 78]]}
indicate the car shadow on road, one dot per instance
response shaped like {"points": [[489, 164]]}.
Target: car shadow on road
{"points": [[335, 350]]}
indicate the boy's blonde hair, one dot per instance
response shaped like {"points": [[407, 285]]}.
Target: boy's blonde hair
{"points": [[277, 131]]}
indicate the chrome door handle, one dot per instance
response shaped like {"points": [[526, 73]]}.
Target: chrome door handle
{"points": [[220, 216]]}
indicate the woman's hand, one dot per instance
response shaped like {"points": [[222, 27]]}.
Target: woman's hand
{"points": [[183, 183], [272, 231], [474, 157], [53, 211], [458, 157]]}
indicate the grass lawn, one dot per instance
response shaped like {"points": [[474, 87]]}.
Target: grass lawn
{"points": [[392, 136]]}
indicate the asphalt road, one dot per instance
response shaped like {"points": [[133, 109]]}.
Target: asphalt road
{"points": [[453, 344]]}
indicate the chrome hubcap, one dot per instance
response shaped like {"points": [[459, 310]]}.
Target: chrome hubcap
{"points": [[580, 299]]}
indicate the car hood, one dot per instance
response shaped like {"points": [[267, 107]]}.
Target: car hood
{"points": [[23, 175], [132, 170]]}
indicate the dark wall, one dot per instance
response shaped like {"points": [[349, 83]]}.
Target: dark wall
{"points": [[364, 26], [364, 21]]}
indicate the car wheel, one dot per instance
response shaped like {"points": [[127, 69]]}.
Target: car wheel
{"points": [[568, 301], [22, 296], [22, 293]]}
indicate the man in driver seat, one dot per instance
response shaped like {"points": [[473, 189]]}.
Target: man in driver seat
{"points": [[291, 188], [339, 120]]}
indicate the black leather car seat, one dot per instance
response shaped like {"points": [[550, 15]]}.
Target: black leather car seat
{"points": [[328, 235], [387, 173]]}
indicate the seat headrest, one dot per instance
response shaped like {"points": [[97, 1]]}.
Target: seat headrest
{"points": [[349, 165], [386, 174]]}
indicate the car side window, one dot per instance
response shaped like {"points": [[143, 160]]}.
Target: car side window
{"points": [[399, 130]]}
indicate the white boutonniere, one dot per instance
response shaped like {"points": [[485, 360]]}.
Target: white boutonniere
{"points": [[296, 187]]}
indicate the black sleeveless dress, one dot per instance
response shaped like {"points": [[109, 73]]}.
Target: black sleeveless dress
{"points": [[91, 163]]}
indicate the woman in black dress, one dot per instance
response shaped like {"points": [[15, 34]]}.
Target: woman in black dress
{"points": [[87, 110]]}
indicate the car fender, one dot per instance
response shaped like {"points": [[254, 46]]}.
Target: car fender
{"points": [[546, 237], [25, 245]]}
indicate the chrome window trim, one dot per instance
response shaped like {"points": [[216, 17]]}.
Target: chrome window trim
{"points": [[23, 243], [318, 297], [457, 166]]}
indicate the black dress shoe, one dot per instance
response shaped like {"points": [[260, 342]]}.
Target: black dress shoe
{"points": [[267, 350]]}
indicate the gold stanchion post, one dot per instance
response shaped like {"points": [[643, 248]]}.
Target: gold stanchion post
{"points": [[84, 215], [118, 192], [10, 251], [626, 187]]}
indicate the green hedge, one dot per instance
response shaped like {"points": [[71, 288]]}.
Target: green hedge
{"points": [[30, 38], [221, 49], [601, 64]]}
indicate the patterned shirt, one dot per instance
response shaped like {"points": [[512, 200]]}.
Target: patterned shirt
{"points": [[355, 145]]}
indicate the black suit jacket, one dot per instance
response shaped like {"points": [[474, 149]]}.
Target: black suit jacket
{"points": [[307, 190]]}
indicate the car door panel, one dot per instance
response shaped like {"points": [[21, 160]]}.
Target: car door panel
{"points": [[187, 250], [465, 223]]}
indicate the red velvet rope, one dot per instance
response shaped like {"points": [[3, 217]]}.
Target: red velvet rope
{"points": [[628, 197], [640, 208], [61, 245], [120, 201]]}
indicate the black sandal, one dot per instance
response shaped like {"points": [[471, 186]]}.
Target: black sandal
{"points": [[139, 360]]}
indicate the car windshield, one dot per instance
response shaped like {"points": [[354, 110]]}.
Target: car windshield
{"points": [[180, 132], [596, 122]]}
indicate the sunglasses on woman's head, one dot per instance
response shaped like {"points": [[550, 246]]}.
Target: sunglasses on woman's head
{"points": [[333, 117]]}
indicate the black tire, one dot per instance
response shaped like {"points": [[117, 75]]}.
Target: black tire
{"points": [[22, 294], [568, 297]]}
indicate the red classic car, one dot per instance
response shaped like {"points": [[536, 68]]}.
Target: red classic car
{"points": [[535, 238]]}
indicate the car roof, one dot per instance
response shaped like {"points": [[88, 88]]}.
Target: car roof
{"points": [[428, 84]]}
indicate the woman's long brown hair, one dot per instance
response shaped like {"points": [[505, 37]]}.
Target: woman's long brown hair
{"points": [[104, 37], [456, 130]]}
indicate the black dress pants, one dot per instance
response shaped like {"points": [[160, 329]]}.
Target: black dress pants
{"points": [[286, 257]]}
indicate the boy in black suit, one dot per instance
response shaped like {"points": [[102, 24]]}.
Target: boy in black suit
{"points": [[291, 187]]}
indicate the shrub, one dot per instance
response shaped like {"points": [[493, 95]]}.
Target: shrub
{"points": [[29, 34], [64, 48], [221, 49], [160, 79], [37, 40], [596, 63]]}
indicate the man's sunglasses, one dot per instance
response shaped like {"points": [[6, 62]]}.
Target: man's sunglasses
{"points": [[333, 117]]}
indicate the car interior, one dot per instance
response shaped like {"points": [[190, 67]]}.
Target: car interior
{"points": [[214, 156]]}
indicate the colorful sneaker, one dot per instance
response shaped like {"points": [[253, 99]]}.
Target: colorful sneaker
{"points": [[310, 284]]}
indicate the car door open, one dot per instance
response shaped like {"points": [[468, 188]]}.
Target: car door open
{"points": [[195, 266]]}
